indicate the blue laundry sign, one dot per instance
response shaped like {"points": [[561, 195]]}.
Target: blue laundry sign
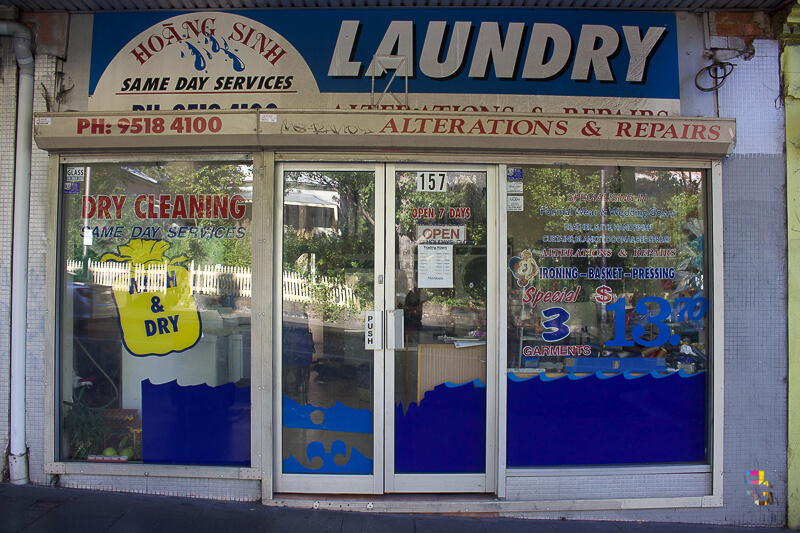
{"points": [[532, 60]]}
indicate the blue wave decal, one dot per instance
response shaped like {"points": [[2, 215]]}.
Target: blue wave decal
{"points": [[445, 433], [601, 420], [599, 374], [575, 377], [603, 375], [336, 418], [476, 382], [628, 375], [195, 424], [357, 464]]}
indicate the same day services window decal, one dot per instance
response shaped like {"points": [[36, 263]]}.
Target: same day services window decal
{"points": [[155, 313], [607, 315]]}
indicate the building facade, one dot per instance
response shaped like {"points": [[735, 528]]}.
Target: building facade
{"points": [[516, 253]]}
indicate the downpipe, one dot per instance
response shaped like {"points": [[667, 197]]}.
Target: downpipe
{"points": [[23, 50]]}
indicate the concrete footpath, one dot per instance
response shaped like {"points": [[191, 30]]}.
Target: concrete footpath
{"points": [[29, 509]]}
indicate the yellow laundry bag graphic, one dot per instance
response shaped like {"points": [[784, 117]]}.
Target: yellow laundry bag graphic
{"points": [[157, 311]]}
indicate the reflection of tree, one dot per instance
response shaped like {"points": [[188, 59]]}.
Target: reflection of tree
{"points": [[102, 180], [464, 190], [343, 252], [356, 191], [680, 191], [676, 190], [547, 187], [628, 225], [210, 179], [131, 180]]}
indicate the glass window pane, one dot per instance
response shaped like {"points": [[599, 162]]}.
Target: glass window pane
{"points": [[440, 373], [154, 316], [328, 284], [607, 315]]}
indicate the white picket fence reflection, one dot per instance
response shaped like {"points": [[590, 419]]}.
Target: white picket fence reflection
{"points": [[297, 288], [204, 279]]}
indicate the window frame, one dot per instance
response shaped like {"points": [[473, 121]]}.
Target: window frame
{"points": [[260, 214], [713, 466]]}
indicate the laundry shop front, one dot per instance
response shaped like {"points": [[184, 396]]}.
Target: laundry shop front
{"points": [[334, 290]]}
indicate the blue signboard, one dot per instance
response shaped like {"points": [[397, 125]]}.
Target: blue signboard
{"points": [[522, 52]]}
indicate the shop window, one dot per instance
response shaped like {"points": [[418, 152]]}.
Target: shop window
{"points": [[154, 321], [608, 307]]}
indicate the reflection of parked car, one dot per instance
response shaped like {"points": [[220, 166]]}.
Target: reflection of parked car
{"points": [[92, 300], [298, 350], [96, 346]]}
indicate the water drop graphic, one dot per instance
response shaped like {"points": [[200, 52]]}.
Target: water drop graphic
{"points": [[214, 44], [199, 61], [238, 64]]}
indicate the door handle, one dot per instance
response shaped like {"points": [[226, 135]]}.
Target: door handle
{"points": [[395, 330]]}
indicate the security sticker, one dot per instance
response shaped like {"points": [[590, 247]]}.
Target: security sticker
{"points": [[514, 203], [76, 173], [514, 173]]}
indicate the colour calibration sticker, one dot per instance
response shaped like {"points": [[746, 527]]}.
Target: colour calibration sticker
{"points": [[756, 477]]}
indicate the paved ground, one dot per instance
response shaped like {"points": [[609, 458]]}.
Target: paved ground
{"points": [[30, 509]]}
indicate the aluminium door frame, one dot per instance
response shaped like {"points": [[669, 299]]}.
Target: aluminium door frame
{"points": [[431, 483], [326, 483], [383, 478]]}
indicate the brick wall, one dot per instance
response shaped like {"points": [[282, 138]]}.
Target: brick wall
{"points": [[749, 26]]}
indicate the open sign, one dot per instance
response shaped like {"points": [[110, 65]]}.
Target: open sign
{"points": [[442, 234]]}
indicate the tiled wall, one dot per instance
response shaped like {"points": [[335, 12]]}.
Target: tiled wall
{"points": [[608, 486], [217, 489], [37, 291]]}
